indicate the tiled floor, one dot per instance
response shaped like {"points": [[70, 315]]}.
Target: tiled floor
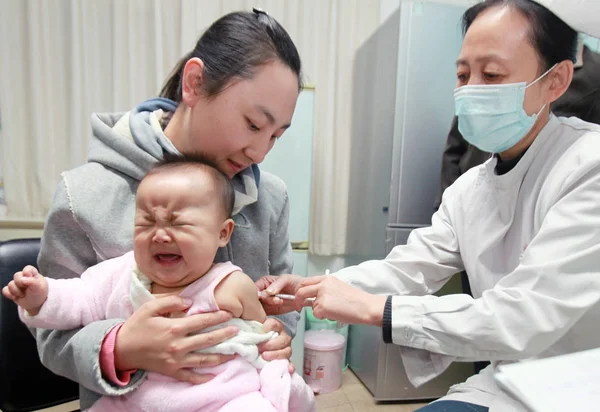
{"points": [[67, 407], [354, 397]]}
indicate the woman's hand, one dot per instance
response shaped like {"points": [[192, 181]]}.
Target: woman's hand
{"points": [[150, 341], [271, 285], [278, 348], [337, 300]]}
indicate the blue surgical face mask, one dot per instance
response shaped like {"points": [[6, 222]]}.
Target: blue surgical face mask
{"points": [[491, 117]]}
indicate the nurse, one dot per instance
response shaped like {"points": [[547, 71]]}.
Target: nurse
{"points": [[525, 225]]}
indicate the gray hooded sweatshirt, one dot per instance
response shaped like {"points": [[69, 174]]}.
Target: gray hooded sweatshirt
{"points": [[91, 220]]}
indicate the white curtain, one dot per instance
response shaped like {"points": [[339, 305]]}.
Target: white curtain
{"points": [[61, 60], [342, 28]]}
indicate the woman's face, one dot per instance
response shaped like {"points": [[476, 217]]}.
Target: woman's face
{"points": [[239, 126], [496, 50]]}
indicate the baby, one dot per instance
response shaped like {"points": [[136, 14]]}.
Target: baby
{"points": [[183, 216]]}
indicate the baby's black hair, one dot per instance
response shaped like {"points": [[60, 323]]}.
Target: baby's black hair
{"points": [[194, 162]]}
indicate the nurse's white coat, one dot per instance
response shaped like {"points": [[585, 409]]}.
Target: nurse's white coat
{"points": [[530, 243]]}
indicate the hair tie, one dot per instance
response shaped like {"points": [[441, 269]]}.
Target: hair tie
{"points": [[259, 11]]}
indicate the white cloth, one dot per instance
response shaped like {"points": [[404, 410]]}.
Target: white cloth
{"points": [[530, 243], [245, 343], [581, 15]]}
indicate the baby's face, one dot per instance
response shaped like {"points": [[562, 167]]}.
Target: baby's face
{"points": [[179, 225]]}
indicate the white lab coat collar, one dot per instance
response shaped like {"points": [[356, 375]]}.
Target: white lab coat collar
{"points": [[506, 196], [507, 180]]}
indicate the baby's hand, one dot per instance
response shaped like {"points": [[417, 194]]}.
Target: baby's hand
{"points": [[28, 289]]}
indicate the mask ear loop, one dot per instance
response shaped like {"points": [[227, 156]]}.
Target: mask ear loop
{"points": [[542, 76], [537, 80]]}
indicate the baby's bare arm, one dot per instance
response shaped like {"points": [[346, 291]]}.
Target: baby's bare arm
{"points": [[238, 294]]}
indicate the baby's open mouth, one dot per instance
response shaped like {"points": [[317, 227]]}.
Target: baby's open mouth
{"points": [[167, 257]]}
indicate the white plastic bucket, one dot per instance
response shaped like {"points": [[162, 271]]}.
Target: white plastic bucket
{"points": [[322, 359]]}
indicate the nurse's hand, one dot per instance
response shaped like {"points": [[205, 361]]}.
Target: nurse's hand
{"points": [[278, 348], [337, 300], [272, 285], [151, 341]]}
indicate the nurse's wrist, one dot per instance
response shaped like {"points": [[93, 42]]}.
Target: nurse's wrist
{"points": [[376, 306]]}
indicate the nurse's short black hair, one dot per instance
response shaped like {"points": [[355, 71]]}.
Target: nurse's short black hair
{"points": [[551, 37], [188, 163]]}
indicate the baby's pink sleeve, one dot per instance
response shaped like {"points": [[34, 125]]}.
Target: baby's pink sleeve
{"points": [[73, 303], [107, 360]]}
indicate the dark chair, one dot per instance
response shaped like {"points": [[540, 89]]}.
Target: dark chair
{"points": [[25, 384]]}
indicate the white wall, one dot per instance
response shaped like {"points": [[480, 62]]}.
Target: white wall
{"points": [[592, 43], [291, 160]]}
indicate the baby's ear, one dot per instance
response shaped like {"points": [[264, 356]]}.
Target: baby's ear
{"points": [[226, 231]]}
